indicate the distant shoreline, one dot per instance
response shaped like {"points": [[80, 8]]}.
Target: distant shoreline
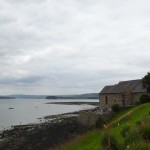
{"points": [[75, 103], [6, 97]]}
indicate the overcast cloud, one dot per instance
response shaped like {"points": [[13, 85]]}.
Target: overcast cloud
{"points": [[72, 46]]}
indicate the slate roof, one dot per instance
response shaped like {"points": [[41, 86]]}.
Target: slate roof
{"points": [[135, 85]]}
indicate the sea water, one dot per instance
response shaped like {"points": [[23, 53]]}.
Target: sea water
{"points": [[26, 111]]}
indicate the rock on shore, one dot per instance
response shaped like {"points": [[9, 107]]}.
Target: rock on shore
{"points": [[41, 136]]}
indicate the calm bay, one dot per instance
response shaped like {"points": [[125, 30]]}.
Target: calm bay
{"points": [[26, 111]]}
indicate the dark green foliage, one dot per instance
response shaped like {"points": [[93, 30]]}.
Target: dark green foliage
{"points": [[144, 98], [140, 146], [99, 122], [146, 82], [115, 108], [144, 127], [132, 136], [139, 123], [125, 130], [138, 137], [145, 132], [109, 141]]}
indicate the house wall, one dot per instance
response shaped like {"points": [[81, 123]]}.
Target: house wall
{"points": [[127, 96], [117, 99], [111, 99]]}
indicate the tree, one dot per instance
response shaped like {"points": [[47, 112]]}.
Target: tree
{"points": [[146, 82], [144, 98]]}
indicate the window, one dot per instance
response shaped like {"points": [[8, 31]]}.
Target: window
{"points": [[115, 99], [106, 100]]}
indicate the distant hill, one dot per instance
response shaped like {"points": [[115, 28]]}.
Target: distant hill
{"points": [[6, 97], [82, 96], [23, 96]]}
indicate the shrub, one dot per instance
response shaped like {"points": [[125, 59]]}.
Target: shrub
{"points": [[125, 130], [99, 122], [137, 102], [115, 107], [144, 127], [140, 146], [144, 98], [139, 123], [145, 132], [109, 141], [138, 137], [132, 136]]}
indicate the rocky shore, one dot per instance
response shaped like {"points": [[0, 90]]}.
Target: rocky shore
{"points": [[56, 130]]}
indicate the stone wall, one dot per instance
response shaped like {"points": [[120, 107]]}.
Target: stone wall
{"points": [[88, 118], [111, 99], [117, 99]]}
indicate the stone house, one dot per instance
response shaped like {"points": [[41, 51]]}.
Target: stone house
{"points": [[124, 93]]}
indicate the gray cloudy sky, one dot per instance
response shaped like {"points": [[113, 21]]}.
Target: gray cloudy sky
{"points": [[72, 46]]}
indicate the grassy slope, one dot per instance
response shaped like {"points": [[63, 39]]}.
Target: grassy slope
{"points": [[91, 140]]}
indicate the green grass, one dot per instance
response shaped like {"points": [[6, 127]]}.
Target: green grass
{"points": [[118, 115], [92, 139]]}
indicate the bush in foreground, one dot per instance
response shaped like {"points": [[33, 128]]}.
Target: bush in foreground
{"points": [[115, 107], [109, 141], [132, 136], [125, 130], [144, 98], [144, 127], [140, 146]]}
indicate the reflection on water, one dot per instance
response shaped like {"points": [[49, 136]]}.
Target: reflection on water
{"points": [[28, 110]]}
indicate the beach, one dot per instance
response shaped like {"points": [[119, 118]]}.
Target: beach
{"points": [[54, 131]]}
